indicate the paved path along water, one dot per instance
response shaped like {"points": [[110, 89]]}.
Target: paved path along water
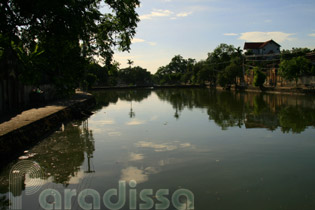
{"points": [[27, 127]]}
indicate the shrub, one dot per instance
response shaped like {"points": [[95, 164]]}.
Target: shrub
{"points": [[259, 77]]}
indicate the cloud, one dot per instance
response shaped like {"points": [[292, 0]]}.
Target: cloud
{"points": [[136, 122], [156, 13], [164, 13], [268, 21], [77, 178], [151, 170], [312, 35], [133, 173], [138, 175], [136, 40], [32, 182], [257, 36], [230, 34], [170, 146], [156, 147], [135, 157], [185, 145], [183, 14]]}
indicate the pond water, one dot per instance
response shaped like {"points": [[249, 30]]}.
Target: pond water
{"points": [[182, 147]]}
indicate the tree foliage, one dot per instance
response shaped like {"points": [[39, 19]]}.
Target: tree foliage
{"points": [[135, 76], [259, 77], [294, 68], [223, 64], [68, 33], [229, 75], [295, 52], [177, 71]]}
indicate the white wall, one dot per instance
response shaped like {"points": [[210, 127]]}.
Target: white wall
{"points": [[271, 47]]}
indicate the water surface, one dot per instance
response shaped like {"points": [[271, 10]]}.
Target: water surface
{"points": [[231, 150]]}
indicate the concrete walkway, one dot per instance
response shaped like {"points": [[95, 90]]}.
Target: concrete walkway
{"points": [[30, 126], [35, 114]]}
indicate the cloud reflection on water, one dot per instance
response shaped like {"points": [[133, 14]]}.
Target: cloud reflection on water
{"points": [[162, 147], [135, 157], [136, 122], [139, 175]]}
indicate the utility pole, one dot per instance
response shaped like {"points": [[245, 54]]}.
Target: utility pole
{"points": [[243, 71], [89, 166]]}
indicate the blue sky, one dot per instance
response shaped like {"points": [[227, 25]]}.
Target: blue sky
{"points": [[192, 28]]}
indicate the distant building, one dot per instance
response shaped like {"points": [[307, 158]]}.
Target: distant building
{"points": [[262, 48]]}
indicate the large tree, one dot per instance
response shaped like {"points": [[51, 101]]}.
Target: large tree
{"points": [[177, 71], [65, 34], [135, 76], [229, 75], [221, 56], [294, 68]]}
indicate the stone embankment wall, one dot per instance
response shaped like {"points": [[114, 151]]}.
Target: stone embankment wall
{"points": [[18, 139]]}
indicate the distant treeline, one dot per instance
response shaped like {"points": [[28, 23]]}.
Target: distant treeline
{"points": [[225, 66]]}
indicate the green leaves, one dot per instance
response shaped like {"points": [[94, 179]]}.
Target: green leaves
{"points": [[135, 76], [30, 72], [228, 76], [294, 68], [68, 33], [259, 77], [178, 70]]}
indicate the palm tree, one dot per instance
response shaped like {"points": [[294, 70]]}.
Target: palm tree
{"points": [[131, 113], [239, 51], [130, 63]]}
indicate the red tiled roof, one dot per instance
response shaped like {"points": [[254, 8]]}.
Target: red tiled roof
{"points": [[257, 45], [253, 45]]}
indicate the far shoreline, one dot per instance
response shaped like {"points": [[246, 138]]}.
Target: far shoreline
{"points": [[272, 90]]}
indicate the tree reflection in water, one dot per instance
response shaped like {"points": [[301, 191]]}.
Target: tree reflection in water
{"points": [[292, 113], [60, 156], [4, 203], [104, 98]]}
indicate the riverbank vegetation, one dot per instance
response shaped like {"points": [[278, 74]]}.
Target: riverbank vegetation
{"points": [[71, 44], [55, 42], [294, 68], [226, 66]]}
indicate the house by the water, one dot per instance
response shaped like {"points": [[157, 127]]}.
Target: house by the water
{"points": [[262, 48]]}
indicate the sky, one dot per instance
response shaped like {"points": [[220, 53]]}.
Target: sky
{"points": [[193, 28]]}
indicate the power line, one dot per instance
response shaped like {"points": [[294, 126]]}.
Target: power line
{"points": [[265, 55], [265, 60], [260, 67]]}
